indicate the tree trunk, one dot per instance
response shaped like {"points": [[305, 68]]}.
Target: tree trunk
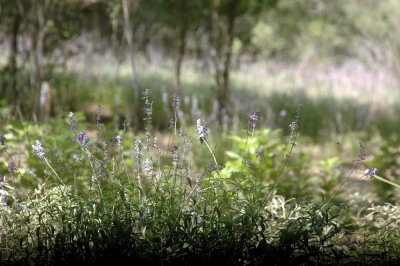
{"points": [[13, 67], [38, 42], [222, 36], [181, 55], [128, 35], [227, 61]]}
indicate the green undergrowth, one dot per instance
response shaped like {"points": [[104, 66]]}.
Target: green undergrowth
{"points": [[96, 195]]}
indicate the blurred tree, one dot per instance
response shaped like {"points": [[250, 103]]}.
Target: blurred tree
{"points": [[40, 27], [11, 17], [225, 18], [129, 10], [181, 16], [39, 33]]}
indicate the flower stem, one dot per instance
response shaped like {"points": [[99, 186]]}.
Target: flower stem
{"points": [[54, 171], [386, 181], [212, 153]]}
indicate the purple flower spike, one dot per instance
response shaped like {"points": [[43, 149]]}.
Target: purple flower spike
{"points": [[202, 130], [370, 172], [83, 140], [38, 149]]}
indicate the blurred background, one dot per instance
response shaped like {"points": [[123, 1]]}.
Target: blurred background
{"points": [[218, 60], [223, 58]]}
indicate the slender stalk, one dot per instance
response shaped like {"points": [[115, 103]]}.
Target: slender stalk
{"points": [[247, 149], [54, 171], [125, 166], [176, 121], [213, 155], [294, 127], [95, 175], [386, 181], [281, 169]]}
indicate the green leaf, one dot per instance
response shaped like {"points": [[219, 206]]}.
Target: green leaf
{"points": [[233, 155]]}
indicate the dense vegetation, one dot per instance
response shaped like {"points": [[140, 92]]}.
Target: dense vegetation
{"points": [[161, 199], [175, 132]]}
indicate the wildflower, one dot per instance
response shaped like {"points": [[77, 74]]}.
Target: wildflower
{"points": [[70, 117], [176, 162], [116, 140], [259, 153], [2, 178], [138, 149], [305, 201], [283, 113], [212, 168], [77, 157], [83, 140], [175, 101], [2, 140], [147, 111], [155, 143], [174, 149], [254, 117], [145, 97], [175, 156], [362, 155], [172, 124], [72, 122], [142, 218], [12, 167], [148, 166], [187, 147], [119, 140], [148, 107], [252, 120], [182, 132], [38, 149], [370, 172], [202, 130], [294, 126], [101, 165], [249, 164], [98, 116], [199, 220]]}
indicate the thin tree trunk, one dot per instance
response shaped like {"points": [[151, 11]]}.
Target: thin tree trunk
{"points": [[13, 60], [227, 61], [128, 34], [223, 34], [216, 39], [38, 42], [181, 55]]}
